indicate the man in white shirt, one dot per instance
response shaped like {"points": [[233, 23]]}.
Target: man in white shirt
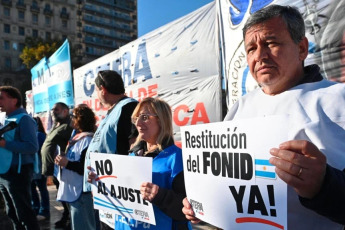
{"points": [[311, 163]]}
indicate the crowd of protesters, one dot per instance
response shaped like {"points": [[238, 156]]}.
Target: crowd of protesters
{"points": [[310, 163]]}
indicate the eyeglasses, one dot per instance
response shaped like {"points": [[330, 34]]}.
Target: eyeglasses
{"points": [[142, 117], [102, 82]]}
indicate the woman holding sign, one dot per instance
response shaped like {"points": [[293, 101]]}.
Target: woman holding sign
{"points": [[72, 170], [153, 120]]}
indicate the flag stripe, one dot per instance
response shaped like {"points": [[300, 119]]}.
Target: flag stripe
{"points": [[265, 174]]}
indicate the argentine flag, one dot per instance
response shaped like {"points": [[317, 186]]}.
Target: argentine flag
{"points": [[264, 169]]}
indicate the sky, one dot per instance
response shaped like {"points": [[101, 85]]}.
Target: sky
{"points": [[153, 14]]}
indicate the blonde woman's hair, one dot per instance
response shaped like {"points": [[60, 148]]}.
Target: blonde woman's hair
{"points": [[164, 115]]}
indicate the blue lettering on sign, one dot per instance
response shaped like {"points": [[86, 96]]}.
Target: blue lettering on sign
{"points": [[116, 66], [88, 89], [122, 65], [40, 76], [240, 8], [145, 70], [105, 66], [126, 64]]}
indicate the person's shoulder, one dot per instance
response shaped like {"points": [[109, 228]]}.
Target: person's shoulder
{"points": [[173, 149], [130, 106], [326, 86]]}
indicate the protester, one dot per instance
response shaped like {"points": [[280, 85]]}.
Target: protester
{"points": [[72, 171], [17, 157], [115, 133], [153, 120], [41, 207], [57, 139], [311, 163]]}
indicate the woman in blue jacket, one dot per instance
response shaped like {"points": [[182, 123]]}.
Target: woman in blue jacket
{"points": [[153, 120]]}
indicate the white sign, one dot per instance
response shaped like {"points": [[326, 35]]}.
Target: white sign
{"points": [[229, 180], [117, 186]]}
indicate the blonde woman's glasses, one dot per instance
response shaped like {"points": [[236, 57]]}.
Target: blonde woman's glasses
{"points": [[142, 117]]}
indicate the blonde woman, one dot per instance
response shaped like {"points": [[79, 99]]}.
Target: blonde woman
{"points": [[153, 120]]}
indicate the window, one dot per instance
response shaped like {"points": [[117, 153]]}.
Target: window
{"points": [[21, 47], [8, 63], [34, 18], [34, 4], [48, 35], [35, 33], [7, 12], [21, 31], [7, 28], [15, 46], [64, 23], [6, 45], [21, 15], [47, 20]]}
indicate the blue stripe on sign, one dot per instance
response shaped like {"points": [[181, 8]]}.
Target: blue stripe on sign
{"points": [[112, 206], [262, 162], [265, 174]]}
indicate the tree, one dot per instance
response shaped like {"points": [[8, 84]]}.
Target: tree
{"points": [[36, 49]]}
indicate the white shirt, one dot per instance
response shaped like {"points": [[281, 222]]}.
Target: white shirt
{"points": [[317, 114]]}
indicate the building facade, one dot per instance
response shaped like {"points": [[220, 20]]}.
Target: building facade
{"points": [[93, 28]]}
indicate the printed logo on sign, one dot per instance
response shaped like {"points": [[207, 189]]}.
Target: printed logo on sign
{"points": [[240, 81], [197, 206], [143, 214], [238, 9], [107, 215]]}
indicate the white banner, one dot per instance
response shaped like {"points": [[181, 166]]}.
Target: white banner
{"points": [[177, 62], [325, 31], [229, 180], [117, 186]]}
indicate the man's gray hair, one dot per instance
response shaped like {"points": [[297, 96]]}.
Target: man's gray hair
{"points": [[291, 16]]}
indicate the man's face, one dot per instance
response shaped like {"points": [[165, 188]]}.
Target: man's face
{"points": [[274, 60], [59, 113], [7, 103], [100, 95]]}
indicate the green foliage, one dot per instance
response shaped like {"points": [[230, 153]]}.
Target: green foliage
{"points": [[36, 49]]}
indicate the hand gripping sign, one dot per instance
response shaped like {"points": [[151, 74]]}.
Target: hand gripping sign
{"points": [[117, 186], [229, 180]]}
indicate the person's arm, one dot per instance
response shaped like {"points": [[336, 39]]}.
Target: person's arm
{"points": [[170, 201], [320, 187], [330, 201], [125, 131], [25, 141], [77, 166]]}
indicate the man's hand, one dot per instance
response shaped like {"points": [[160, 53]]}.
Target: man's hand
{"points": [[91, 175], [301, 165], [148, 191], [2, 142], [61, 160], [188, 212]]}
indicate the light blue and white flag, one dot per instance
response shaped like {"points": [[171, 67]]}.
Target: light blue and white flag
{"points": [[52, 80], [264, 169]]}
